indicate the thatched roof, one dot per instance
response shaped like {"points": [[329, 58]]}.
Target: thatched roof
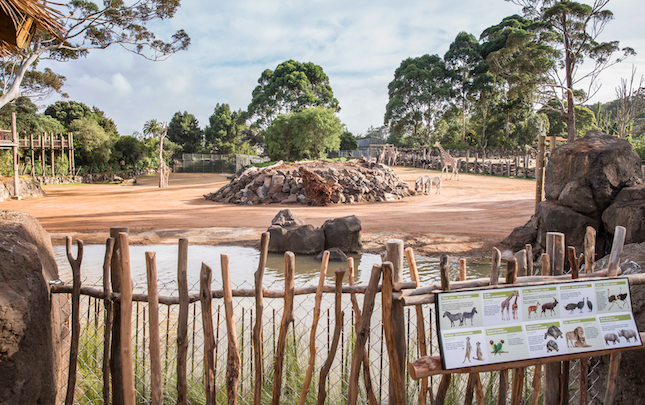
{"points": [[20, 19]]}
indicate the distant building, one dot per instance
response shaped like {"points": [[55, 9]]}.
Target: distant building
{"points": [[368, 141]]}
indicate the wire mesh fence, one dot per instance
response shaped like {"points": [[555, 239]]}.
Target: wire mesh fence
{"points": [[89, 385]]}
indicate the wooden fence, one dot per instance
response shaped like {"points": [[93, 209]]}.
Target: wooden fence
{"points": [[387, 278]]}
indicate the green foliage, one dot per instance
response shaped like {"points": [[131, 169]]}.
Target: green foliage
{"points": [[184, 130], [292, 87], [585, 121], [28, 121], [224, 132], [304, 134], [129, 149], [348, 141], [6, 163], [92, 143], [639, 146], [67, 112], [417, 96]]}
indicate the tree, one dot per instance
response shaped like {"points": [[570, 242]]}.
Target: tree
{"points": [[348, 141], [631, 101], [129, 149], [572, 30], [292, 87], [462, 60], [28, 121], [87, 26], [558, 127], [224, 131], [184, 130], [303, 134], [417, 95], [94, 144], [68, 111]]}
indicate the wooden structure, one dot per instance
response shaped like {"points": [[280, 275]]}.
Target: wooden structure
{"points": [[45, 147], [395, 295], [19, 21]]}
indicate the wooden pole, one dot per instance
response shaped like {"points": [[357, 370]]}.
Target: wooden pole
{"points": [[115, 347], [444, 268], [33, 156], [69, 154], [314, 326], [614, 365], [52, 154], [397, 386], [553, 371], [520, 259], [362, 333], [287, 318], [338, 325], [206, 299], [511, 278], [182, 323], [421, 329], [616, 250], [233, 361], [555, 249], [109, 250], [529, 259], [474, 384], [127, 370], [156, 387], [257, 328], [367, 378], [462, 270], [16, 165], [71, 145], [539, 171], [394, 255], [573, 262], [76, 302], [590, 249], [42, 152], [496, 262]]}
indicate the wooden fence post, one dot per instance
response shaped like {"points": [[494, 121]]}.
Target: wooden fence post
{"points": [[115, 347], [511, 277], [127, 370], [397, 385], [206, 298], [539, 170], [182, 322], [444, 268], [287, 318], [394, 255], [421, 329], [16, 163], [76, 302], [362, 333], [474, 384], [338, 325], [553, 371], [529, 259], [314, 326], [521, 262], [233, 361], [590, 249], [156, 388], [259, 321], [107, 301]]}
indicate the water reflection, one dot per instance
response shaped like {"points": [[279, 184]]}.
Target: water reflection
{"points": [[243, 262]]}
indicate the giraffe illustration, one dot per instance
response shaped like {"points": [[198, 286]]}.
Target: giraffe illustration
{"points": [[448, 161], [514, 308], [505, 304]]}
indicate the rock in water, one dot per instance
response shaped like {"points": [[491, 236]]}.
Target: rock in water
{"points": [[343, 233], [30, 317], [335, 255]]}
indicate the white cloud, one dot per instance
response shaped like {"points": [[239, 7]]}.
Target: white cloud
{"points": [[359, 44]]}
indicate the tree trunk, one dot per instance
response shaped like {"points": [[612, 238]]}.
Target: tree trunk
{"points": [[570, 118], [463, 119], [507, 127]]}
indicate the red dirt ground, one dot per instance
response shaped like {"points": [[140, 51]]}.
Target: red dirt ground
{"points": [[470, 214]]}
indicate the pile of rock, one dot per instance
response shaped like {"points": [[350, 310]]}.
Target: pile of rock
{"points": [[595, 181], [290, 233], [352, 182]]}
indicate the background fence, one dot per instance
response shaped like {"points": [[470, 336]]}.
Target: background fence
{"points": [[207, 163]]}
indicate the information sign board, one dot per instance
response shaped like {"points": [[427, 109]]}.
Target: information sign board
{"points": [[480, 327]]}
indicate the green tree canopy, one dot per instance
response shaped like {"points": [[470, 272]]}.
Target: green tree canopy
{"points": [[585, 119], [224, 132], [94, 144], [184, 130], [129, 149], [417, 96], [28, 121], [303, 134], [67, 112], [292, 87]]}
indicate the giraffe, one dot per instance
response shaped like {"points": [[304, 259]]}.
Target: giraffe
{"points": [[381, 156], [514, 308], [165, 174], [448, 161], [505, 305]]}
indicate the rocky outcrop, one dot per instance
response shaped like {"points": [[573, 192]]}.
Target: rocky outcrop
{"points": [[30, 333], [28, 188], [290, 233], [593, 181], [350, 182], [95, 178]]}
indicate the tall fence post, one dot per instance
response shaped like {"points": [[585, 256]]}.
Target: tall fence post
{"points": [[127, 370], [156, 388], [16, 163], [553, 371], [108, 320], [257, 328], [394, 255], [76, 322], [182, 327], [539, 170], [115, 353]]}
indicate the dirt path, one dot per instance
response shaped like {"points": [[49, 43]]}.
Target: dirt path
{"points": [[469, 214]]}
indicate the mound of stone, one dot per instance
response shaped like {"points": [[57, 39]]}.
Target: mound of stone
{"points": [[594, 181], [316, 183]]}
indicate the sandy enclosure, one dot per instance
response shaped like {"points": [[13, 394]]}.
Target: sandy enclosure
{"points": [[468, 216]]}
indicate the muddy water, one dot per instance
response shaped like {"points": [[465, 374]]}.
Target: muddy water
{"points": [[243, 262]]}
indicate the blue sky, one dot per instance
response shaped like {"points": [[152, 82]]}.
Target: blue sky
{"points": [[359, 45]]}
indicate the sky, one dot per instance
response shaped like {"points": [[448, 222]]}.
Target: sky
{"points": [[359, 45]]}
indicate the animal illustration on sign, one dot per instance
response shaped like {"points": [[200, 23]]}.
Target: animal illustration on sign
{"points": [[627, 334], [468, 315], [623, 297], [514, 307], [611, 337], [571, 307], [551, 345], [550, 306], [554, 332], [612, 300], [533, 309], [469, 349], [479, 355], [497, 347], [506, 304], [576, 338], [589, 305], [453, 318]]}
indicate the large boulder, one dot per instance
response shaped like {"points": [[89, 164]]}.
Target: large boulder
{"points": [[343, 233], [30, 332], [290, 233], [628, 210], [287, 219], [556, 218], [522, 235]]}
